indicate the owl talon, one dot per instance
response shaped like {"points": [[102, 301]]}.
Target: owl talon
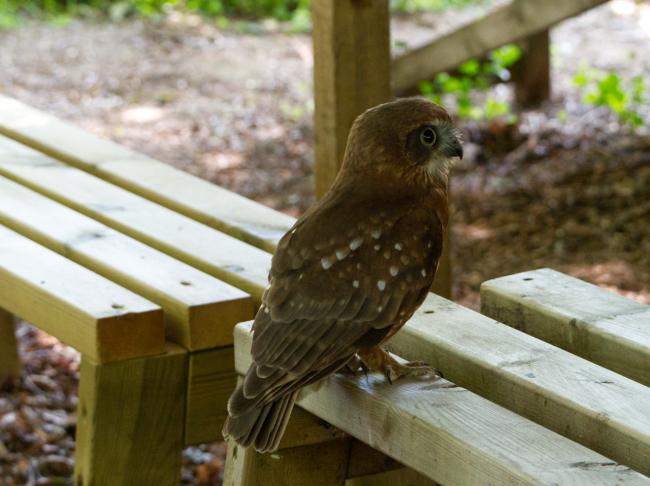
{"points": [[355, 367], [377, 359]]}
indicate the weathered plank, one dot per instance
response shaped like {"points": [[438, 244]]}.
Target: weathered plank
{"points": [[512, 22], [449, 434], [579, 399], [212, 205], [10, 365], [90, 313], [200, 246], [586, 320], [130, 421], [351, 74], [200, 311]]}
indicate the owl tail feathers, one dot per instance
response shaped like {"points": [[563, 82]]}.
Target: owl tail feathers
{"points": [[261, 427]]}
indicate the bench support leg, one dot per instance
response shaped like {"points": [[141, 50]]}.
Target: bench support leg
{"points": [[532, 74], [9, 361], [321, 464], [131, 420]]}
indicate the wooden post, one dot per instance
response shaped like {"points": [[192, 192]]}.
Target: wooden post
{"points": [[532, 74], [9, 359], [351, 74], [130, 420]]}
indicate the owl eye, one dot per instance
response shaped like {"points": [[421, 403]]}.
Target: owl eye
{"points": [[428, 137]]}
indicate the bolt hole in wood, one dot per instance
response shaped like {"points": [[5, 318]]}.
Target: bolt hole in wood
{"points": [[528, 279], [429, 312], [117, 306], [186, 283]]}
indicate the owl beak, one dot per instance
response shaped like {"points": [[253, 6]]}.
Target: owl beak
{"points": [[455, 149]]}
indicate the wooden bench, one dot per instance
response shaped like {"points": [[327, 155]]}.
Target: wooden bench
{"points": [[154, 266]]}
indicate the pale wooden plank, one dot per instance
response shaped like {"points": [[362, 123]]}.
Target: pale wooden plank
{"points": [[200, 246], [200, 311], [509, 23], [130, 420], [10, 365], [351, 74], [586, 320], [90, 313], [448, 433], [579, 399], [175, 189]]}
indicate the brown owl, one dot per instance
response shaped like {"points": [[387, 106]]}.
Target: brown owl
{"points": [[353, 269]]}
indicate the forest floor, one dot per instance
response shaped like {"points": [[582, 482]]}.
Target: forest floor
{"points": [[571, 192]]}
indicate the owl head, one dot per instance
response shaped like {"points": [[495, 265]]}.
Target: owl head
{"points": [[411, 139]]}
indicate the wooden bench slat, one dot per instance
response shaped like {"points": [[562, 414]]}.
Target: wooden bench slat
{"points": [[205, 248], [90, 313], [448, 433], [581, 400], [173, 188], [200, 310], [584, 319]]}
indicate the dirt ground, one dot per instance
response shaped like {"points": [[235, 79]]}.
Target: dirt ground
{"points": [[236, 108]]}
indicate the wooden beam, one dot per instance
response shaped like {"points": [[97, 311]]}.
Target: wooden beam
{"points": [[448, 434], [10, 366], [583, 401], [200, 311], [586, 320], [88, 312], [189, 195], [196, 244], [351, 74], [130, 421], [532, 73], [512, 22]]}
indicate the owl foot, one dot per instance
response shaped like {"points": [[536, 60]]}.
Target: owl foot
{"points": [[355, 367], [377, 359]]}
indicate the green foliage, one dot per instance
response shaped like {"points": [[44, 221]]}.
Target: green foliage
{"points": [[606, 88], [294, 10], [434, 5], [474, 76]]}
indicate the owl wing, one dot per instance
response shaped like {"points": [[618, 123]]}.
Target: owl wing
{"points": [[349, 269]]}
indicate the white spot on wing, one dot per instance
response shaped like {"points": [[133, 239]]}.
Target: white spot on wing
{"points": [[423, 272], [356, 243], [355, 284], [398, 246], [341, 254], [386, 254], [394, 271], [377, 247], [381, 285], [376, 233], [326, 262]]}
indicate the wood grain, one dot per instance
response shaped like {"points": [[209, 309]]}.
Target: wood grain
{"points": [[88, 312], [574, 397], [196, 244], [351, 74], [130, 421], [200, 311], [574, 315], [189, 195], [448, 433]]}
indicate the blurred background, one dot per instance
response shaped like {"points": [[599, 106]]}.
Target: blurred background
{"points": [[223, 89]]}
